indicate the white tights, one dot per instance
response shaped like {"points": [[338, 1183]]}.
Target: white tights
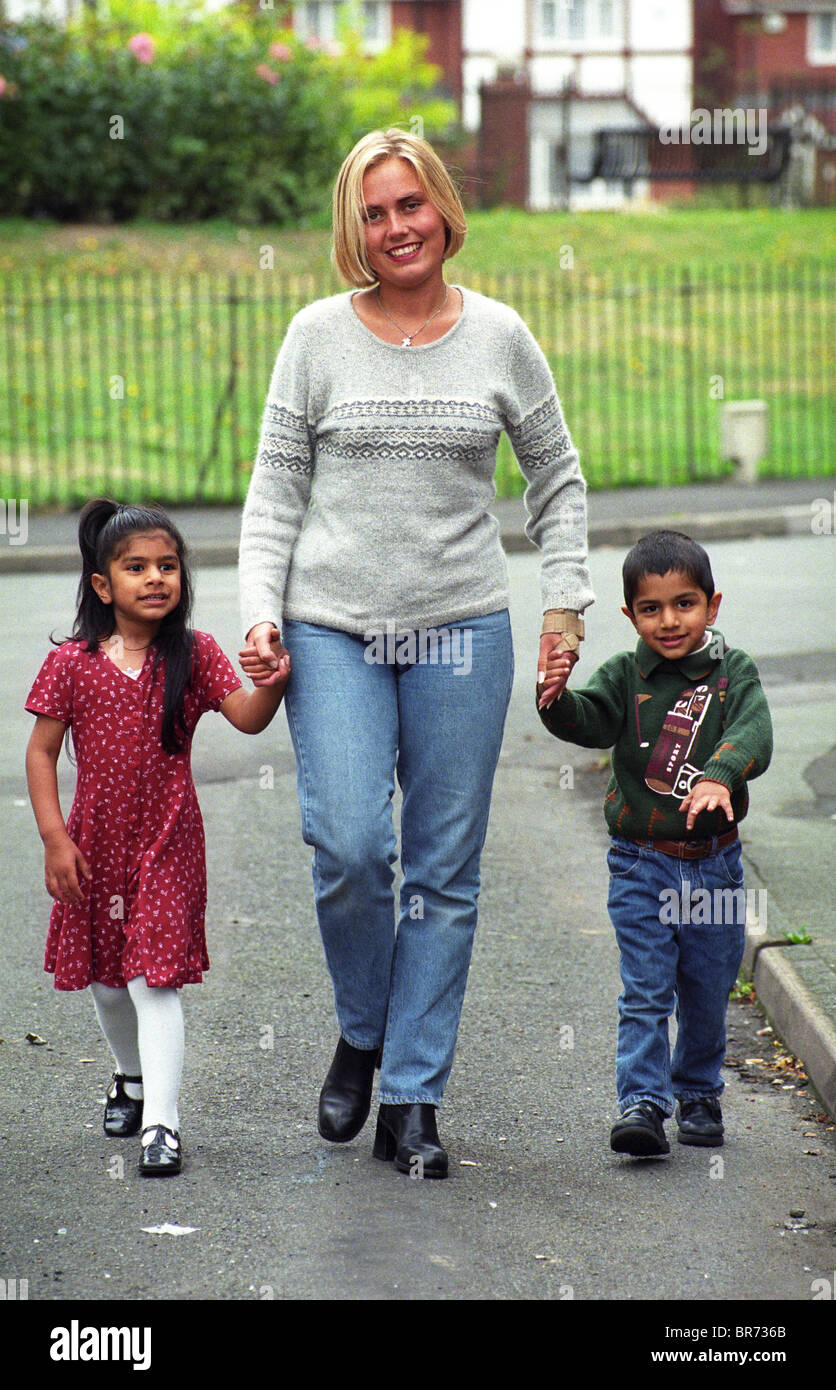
{"points": [[144, 1027]]}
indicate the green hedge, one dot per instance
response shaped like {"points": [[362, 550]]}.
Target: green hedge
{"points": [[219, 115]]}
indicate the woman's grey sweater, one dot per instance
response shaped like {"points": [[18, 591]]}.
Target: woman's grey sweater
{"points": [[368, 503]]}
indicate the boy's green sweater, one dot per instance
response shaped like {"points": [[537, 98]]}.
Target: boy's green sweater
{"points": [[670, 724]]}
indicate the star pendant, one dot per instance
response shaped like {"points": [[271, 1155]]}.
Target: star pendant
{"points": [[407, 342]]}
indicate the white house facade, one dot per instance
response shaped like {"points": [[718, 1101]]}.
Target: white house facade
{"points": [[588, 64]]}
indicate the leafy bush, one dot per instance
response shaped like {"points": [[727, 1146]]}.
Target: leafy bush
{"points": [[172, 113]]}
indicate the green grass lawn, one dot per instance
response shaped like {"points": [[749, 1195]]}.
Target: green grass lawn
{"points": [[132, 363], [503, 239]]}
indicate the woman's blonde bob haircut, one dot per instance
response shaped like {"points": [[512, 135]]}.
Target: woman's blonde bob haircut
{"points": [[349, 250]]}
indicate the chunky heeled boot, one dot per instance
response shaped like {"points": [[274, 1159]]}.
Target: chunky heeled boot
{"points": [[408, 1134], [346, 1097]]}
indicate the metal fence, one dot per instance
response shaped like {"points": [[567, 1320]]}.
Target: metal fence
{"points": [[151, 386]]}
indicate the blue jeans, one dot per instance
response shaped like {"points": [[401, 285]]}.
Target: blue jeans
{"points": [[355, 722], [680, 927]]}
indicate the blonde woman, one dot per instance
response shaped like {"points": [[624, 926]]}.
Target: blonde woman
{"points": [[368, 543]]}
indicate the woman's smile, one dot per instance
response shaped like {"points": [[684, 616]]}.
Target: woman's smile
{"points": [[405, 253]]}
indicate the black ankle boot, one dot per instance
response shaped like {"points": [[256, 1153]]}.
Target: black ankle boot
{"points": [[346, 1097], [408, 1134]]}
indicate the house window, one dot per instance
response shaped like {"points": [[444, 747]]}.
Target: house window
{"points": [[373, 22], [578, 21], [316, 19], [320, 19], [821, 37], [558, 186]]}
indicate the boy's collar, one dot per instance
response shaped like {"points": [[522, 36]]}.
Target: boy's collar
{"points": [[695, 664]]}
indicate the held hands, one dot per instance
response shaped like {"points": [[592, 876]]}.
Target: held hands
{"points": [[264, 659], [706, 796], [553, 668], [63, 862]]}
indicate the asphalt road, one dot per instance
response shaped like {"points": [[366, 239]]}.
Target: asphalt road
{"points": [[537, 1207]]}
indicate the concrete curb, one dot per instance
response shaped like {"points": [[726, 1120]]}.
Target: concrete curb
{"points": [[736, 525], [803, 1026], [58, 559], [706, 526]]}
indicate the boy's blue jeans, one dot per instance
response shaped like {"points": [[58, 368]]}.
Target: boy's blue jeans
{"points": [[355, 723], [668, 961]]}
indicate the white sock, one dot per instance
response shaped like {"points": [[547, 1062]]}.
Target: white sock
{"points": [[117, 1020], [161, 1044]]}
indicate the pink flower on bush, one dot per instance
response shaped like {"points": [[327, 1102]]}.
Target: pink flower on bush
{"points": [[143, 48], [282, 52], [268, 74], [3, 85], [313, 42]]}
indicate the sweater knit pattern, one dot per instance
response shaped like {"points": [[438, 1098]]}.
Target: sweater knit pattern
{"points": [[369, 500]]}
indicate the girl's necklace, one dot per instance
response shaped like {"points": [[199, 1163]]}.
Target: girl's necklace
{"points": [[407, 342], [114, 641]]}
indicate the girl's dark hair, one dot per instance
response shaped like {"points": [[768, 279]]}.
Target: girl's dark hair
{"points": [[103, 528], [662, 551]]}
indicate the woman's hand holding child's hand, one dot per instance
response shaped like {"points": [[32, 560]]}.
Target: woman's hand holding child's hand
{"points": [[706, 796], [63, 862], [267, 664], [264, 659], [553, 668]]}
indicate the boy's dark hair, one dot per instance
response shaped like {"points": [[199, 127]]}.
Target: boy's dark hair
{"points": [[103, 528], [662, 551]]}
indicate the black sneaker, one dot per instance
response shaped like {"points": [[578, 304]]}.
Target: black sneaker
{"points": [[640, 1131], [700, 1122]]}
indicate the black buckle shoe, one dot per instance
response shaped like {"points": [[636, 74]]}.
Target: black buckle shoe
{"points": [[346, 1096], [408, 1134], [640, 1131], [700, 1122], [159, 1158], [122, 1115]]}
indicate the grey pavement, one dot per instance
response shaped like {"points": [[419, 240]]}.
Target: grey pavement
{"points": [[536, 1207]]}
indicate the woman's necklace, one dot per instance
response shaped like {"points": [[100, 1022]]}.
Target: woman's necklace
{"points": [[407, 342]]}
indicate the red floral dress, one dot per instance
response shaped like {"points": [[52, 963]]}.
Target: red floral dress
{"points": [[135, 818]]}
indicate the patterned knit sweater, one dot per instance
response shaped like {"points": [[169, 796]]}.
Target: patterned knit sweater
{"points": [[368, 503]]}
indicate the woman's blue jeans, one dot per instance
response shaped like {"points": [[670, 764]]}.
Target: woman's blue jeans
{"points": [[359, 712], [680, 926]]}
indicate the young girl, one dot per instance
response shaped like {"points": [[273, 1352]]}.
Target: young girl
{"points": [[127, 870]]}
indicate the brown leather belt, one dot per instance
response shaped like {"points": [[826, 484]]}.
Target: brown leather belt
{"points": [[690, 849]]}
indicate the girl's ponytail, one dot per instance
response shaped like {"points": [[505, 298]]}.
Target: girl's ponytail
{"points": [[94, 619], [93, 518]]}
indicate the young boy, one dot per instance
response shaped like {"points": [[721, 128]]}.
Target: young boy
{"points": [[689, 724]]}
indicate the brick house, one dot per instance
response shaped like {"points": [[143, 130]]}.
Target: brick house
{"points": [[754, 48], [779, 57]]}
